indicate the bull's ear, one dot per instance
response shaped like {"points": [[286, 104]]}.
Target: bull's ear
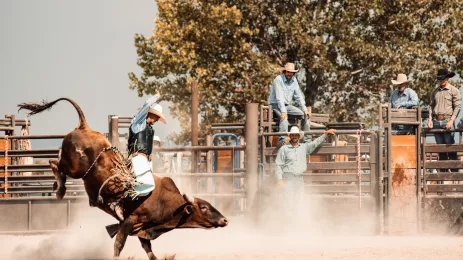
{"points": [[188, 209], [188, 198]]}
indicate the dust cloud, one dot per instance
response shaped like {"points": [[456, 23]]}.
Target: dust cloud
{"points": [[336, 230]]}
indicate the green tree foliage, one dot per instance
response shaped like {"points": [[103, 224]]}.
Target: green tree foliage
{"points": [[232, 49]]}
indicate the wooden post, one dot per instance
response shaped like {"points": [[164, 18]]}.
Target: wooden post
{"points": [[209, 154], [194, 125], [389, 168], [374, 187], [114, 131], [380, 170], [13, 142], [418, 171], [252, 154], [210, 181]]}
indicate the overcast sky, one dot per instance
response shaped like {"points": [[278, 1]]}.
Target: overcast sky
{"points": [[77, 49]]}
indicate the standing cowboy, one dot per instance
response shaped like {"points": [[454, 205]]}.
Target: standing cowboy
{"points": [[291, 163], [402, 97], [283, 91], [445, 107]]}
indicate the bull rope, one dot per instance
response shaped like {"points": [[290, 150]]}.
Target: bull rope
{"points": [[120, 173], [100, 198], [359, 174], [96, 159]]}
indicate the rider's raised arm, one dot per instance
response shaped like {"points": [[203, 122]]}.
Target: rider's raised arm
{"points": [[138, 122]]}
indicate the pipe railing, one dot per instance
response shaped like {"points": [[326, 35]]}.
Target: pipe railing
{"points": [[338, 132], [17, 137], [199, 148]]}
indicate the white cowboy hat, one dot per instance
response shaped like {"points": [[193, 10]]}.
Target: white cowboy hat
{"points": [[295, 130], [401, 78], [156, 109], [289, 67], [157, 139]]}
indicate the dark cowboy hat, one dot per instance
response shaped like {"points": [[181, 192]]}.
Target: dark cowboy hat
{"points": [[444, 73]]}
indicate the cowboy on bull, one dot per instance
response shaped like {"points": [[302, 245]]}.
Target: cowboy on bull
{"points": [[140, 144], [139, 147]]}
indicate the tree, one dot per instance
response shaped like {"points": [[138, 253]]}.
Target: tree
{"points": [[232, 48]]}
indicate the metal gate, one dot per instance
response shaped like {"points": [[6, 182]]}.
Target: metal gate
{"points": [[347, 188]]}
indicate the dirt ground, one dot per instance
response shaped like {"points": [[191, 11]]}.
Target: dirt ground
{"points": [[232, 243], [306, 238]]}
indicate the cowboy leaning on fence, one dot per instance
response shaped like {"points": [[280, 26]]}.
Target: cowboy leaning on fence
{"points": [[445, 107], [291, 164], [403, 97]]}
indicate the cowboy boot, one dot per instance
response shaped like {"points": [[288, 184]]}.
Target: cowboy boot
{"points": [[119, 212], [118, 209]]}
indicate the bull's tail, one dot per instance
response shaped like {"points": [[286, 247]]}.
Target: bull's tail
{"points": [[112, 229], [36, 108]]}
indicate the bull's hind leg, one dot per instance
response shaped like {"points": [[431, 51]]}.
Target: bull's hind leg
{"points": [[60, 179], [146, 244]]}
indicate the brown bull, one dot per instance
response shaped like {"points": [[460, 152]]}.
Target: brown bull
{"points": [[84, 155]]}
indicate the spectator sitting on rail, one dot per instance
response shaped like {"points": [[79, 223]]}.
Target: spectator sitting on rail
{"points": [[402, 97], [291, 163], [283, 91], [445, 107]]}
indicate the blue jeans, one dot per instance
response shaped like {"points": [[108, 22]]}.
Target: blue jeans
{"points": [[444, 138], [293, 111]]}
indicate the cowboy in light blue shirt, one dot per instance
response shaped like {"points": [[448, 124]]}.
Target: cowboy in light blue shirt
{"points": [[402, 97], [283, 92], [291, 163]]}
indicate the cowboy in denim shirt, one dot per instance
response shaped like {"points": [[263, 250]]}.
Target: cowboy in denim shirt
{"points": [[402, 97], [291, 163], [283, 91]]}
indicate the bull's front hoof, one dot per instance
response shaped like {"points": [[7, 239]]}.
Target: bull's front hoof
{"points": [[60, 193], [55, 186]]}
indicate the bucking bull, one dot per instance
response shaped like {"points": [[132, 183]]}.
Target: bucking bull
{"points": [[86, 154]]}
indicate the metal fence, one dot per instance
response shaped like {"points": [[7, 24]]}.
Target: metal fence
{"points": [[344, 177]]}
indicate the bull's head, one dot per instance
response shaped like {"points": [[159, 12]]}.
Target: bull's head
{"points": [[202, 214]]}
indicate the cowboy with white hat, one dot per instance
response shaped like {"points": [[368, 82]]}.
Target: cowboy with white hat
{"points": [[291, 163], [140, 144], [403, 97], [284, 91], [139, 147], [157, 142], [157, 159]]}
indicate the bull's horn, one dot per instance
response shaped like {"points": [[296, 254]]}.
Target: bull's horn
{"points": [[188, 198]]}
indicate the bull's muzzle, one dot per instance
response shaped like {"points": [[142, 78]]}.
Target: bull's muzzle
{"points": [[223, 222]]}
